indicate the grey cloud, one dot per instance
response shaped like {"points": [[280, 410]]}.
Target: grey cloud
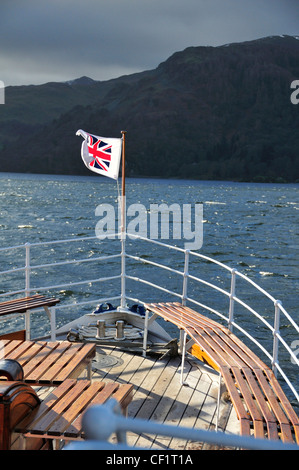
{"points": [[43, 40]]}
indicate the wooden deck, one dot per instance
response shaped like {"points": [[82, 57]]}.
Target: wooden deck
{"points": [[159, 396]]}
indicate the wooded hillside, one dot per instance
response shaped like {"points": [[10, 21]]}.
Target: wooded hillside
{"points": [[205, 113]]}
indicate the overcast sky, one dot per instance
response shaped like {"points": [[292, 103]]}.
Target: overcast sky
{"points": [[59, 40]]}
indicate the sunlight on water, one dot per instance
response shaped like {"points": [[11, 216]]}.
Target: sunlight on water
{"points": [[252, 227]]}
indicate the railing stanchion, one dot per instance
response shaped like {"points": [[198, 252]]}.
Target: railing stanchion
{"points": [[53, 323], [277, 303], [184, 300], [145, 334], [27, 288], [185, 279], [181, 294], [183, 358], [232, 300], [123, 273], [123, 235]]}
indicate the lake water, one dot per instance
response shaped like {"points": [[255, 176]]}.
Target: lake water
{"points": [[252, 227]]}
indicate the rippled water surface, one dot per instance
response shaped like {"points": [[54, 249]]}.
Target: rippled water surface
{"points": [[252, 227]]}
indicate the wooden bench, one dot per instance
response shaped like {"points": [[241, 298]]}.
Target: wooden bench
{"points": [[17, 400], [23, 305], [258, 399], [59, 416], [26, 303], [49, 363]]}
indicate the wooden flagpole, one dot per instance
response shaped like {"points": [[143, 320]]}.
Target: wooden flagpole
{"points": [[123, 226], [123, 163], [123, 189]]}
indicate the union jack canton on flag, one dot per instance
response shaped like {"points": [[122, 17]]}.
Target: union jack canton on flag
{"points": [[101, 154]]}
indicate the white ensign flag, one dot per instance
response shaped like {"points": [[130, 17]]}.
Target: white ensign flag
{"points": [[101, 154]]}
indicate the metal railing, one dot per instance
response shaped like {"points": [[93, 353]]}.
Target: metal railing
{"points": [[101, 421], [120, 286]]}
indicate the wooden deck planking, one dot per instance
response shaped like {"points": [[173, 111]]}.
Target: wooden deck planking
{"points": [[182, 412], [154, 403], [159, 396], [191, 417]]}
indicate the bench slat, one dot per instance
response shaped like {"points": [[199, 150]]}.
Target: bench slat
{"points": [[184, 316], [49, 363], [58, 407], [203, 330], [77, 362], [286, 433], [60, 414], [216, 360], [207, 320], [74, 430], [14, 349], [31, 421], [76, 406], [259, 396], [243, 386], [260, 401], [271, 397], [282, 398], [232, 389], [37, 353], [26, 303]]}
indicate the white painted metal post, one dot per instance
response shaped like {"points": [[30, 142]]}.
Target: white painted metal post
{"points": [[123, 226], [123, 271], [184, 294], [27, 288], [185, 281], [277, 303], [145, 334], [231, 300], [147, 322], [183, 357], [51, 312], [218, 403], [53, 323]]}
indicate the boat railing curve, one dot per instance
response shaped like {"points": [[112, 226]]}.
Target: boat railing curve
{"points": [[26, 285]]}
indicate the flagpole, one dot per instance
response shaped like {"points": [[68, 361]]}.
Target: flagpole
{"points": [[123, 189], [123, 226], [123, 164]]}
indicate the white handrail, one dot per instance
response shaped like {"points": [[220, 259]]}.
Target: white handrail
{"points": [[247, 279], [101, 421], [290, 319], [158, 265], [151, 284], [83, 260], [206, 307], [181, 294], [245, 333], [72, 284], [202, 281], [8, 271], [256, 314], [13, 292]]}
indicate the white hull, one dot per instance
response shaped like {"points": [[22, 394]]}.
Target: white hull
{"points": [[157, 334]]}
